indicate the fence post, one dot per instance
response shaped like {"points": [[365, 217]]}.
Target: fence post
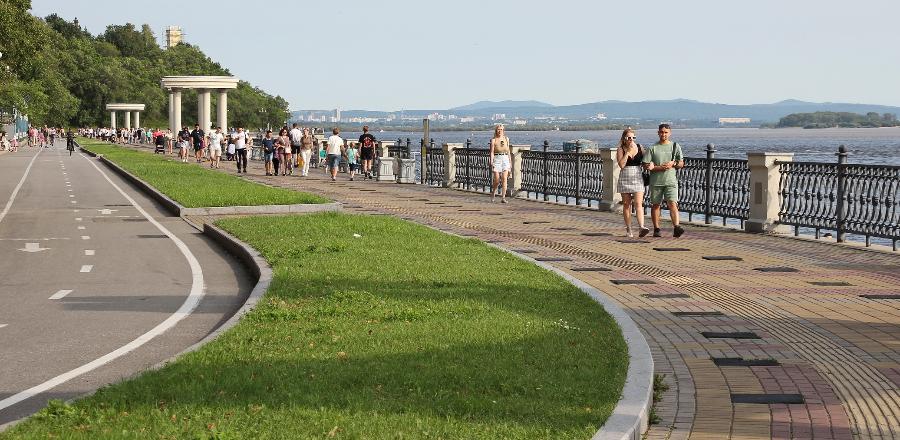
{"points": [[841, 208], [609, 171], [405, 154], [468, 156], [544, 159], [765, 180], [450, 163], [707, 208], [577, 175], [516, 152], [423, 161]]}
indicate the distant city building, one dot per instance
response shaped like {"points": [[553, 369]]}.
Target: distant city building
{"points": [[173, 36], [337, 115], [498, 116], [520, 122], [465, 119], [724, 121], [601, 116]]}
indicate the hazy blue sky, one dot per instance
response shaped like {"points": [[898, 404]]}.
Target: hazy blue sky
{"points": [[391, 55]]}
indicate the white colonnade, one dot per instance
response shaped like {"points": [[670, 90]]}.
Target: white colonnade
{"points": [[129, 109], [204, 86]]}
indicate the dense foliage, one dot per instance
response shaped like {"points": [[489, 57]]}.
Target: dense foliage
{"points": [[59, 74], [838, 119]]}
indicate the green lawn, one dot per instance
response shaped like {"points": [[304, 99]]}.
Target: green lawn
{"points": [[400, 333], [193, 185]]}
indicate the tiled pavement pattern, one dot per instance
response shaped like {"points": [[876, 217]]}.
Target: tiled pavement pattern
{"points": [[839, 351]]}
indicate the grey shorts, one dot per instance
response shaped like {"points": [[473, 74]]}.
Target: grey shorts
{"points": [[333, 160]]}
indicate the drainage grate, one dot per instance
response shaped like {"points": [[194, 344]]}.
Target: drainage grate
{"points": [[880, 296], [730, 335], [434, 203], [767, 399], [776, 269], [672, 249], [632, 281], [563, 229], [591, 269], [152, 236], [596, 234], [134, 220], [535, 222], [525, 251], [665, 295], [709, 313], [553, 259], [452, 206], [722, 258], [741, 362], [830, 283], [632, 241], [469, 210], [118, 205]]}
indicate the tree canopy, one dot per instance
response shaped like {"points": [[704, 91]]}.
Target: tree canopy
{"points": [[838, 119], [60, 74]]}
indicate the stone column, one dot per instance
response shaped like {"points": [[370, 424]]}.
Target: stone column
{"points": [[764, 200], [171, 109], [127, 119], [516, 158], [176, 112], [450, 162], [610, 198], [112, 120], [137, 119], [222, 107], [203, 109]]}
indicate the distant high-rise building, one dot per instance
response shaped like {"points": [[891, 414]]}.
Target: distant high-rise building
{"points": [[337, 115], [173, 36]]}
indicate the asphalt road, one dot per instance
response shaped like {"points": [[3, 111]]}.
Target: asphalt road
{"points": [[97, 282]]}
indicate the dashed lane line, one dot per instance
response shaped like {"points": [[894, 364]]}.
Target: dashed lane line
{"points": [[87, 268], [60, 295], [89, 252]]}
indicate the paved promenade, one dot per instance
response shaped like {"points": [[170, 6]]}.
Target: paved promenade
{"points": [[790, 315]]}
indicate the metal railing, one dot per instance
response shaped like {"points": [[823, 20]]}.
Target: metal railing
{"points": [[434, 165], [557, 174], [713, 188], [473, 168], [839, 197]]}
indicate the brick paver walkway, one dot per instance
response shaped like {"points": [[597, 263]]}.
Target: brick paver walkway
{"points": [[805, 326]]}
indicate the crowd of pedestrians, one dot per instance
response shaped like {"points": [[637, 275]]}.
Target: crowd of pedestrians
{"points": [[642, 168]]}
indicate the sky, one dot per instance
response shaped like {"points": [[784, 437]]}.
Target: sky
{"points": [[394, 55]]}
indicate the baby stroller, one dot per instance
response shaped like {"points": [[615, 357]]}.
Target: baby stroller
{"points": [[160, 144]]}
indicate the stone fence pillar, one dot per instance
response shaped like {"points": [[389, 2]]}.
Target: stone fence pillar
{"points": [[610, 199], [764, 199], [450, 162], [516, 158], [383, 147]]}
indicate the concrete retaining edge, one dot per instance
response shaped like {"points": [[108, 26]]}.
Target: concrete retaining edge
{"points": [[630, 417], [179, 210]]}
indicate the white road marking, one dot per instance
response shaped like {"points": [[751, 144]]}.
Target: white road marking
{"points": [[76, 211], [89, 252], [190, 303], [69, 190], [71, 195], [86, 268], [3, 325], [60, 295], [73, 201], [107, 211], [85, 237], [77, 219], [15, 192], [33, 247], [81, 228]]}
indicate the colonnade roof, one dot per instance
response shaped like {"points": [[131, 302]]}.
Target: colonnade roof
{"points": [[199, 82], [126, 107]]}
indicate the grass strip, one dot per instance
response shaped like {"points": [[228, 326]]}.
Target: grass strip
{"points": [[193, 185], [376, 328]]}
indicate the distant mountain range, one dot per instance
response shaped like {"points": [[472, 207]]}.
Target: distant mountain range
{"points": [[674, 110]]}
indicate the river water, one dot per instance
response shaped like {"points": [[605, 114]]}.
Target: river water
{"points": [[878, 146]]}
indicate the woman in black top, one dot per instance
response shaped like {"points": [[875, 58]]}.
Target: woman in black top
{"points": [[629, 155]]}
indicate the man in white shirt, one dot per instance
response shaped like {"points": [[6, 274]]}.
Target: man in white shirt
{"points": [[296, 142], [333, 152], [215, 147], [240, 148]]}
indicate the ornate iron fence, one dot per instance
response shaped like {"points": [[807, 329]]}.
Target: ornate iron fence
{"points": [[434, 164], [713, 187], [473, 168], [557, 174], [855, 199]]}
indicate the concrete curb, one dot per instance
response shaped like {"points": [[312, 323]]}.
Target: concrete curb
{"points": [[179, 210], [630, 418]]}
